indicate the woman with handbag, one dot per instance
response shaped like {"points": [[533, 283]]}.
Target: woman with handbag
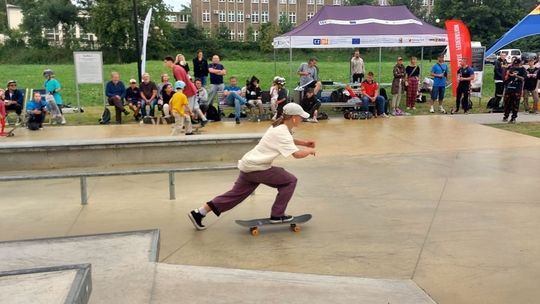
{"points": [[412, 78]]}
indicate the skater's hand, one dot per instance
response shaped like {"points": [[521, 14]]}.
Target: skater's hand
{"points": [[310, 143]]}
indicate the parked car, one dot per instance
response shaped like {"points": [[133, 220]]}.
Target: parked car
{"points": [[511, 54], [491, 58], [525, 56]]}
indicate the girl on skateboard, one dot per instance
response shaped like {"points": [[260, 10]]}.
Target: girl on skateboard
{"points": [[256, 168]]}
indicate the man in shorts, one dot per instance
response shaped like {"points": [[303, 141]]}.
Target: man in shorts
{"points": [[439, 71]]}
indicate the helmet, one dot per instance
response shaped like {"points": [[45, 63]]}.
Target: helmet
{"points": [[48, 72], [179, 84], [280, 80]]}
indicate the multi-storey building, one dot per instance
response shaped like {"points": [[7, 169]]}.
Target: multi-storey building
{"points": [[239, 15]]}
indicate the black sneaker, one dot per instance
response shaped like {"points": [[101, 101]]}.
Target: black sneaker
{"points": [[238, 121], [190, 133], [512, 121], [281, 219], [196, 218], [505, 119]]}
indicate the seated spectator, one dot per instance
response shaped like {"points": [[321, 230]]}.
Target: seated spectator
{"points": [[370, 94], [36, 109], [254, 95], [180, 110], [309, 75], [202, 94], [166, 96], [116, 92], [133, 97], [14, 100], [311, 105], [232, 97], [148, 95], [164, 81]]}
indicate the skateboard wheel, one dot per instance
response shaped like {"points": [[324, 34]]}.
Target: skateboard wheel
{"points": [[295, 228], [254, 231]]}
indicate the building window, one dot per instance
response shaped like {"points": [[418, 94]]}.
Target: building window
{"points": [[184, 18], [310, 1], [172, 18], [231, 1], [427, 2], [206, 16], [264, 1], [254, 1], [205, 0], [292, 1], [320, 2], [232, 17], [240, 1], [231, 35], [255, 35], [255, 17], [221, 16], [221, 0], [292, 18], [310, 15], [240, 36], [264, 17], [337, 2], [283, 1], [240, 16]]}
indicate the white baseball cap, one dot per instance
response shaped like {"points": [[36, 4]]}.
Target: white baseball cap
{"points": [[293, 109]]}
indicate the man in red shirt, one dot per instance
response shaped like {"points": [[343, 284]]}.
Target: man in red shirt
{"points": [[370, 95]]}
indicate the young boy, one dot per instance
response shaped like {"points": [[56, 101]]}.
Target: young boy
{"points": [[311, 105], [282, 97], [36, 109], [52, 86], [178, 104], [133, 97]]}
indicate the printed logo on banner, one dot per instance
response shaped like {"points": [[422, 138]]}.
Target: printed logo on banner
{"points": [[356, 41], [321, 41]]}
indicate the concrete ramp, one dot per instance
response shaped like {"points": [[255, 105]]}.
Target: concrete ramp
{"points": [[125, 271]]}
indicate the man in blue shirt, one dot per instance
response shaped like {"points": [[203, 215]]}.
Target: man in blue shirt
{"points": [[217, 71], [36, 109], [439, 72], [232, 97], [116, 92]]}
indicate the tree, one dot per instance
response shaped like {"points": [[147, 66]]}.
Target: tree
{"points": [[285, 24], [223, 33], [249, 33], [112, 22], [415, 6], [268, 32]]}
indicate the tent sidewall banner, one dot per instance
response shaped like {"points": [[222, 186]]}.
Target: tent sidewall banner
{"points": [[325, 42]]}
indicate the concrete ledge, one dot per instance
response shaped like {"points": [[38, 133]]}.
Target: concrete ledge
{"points": [[118, 152]]}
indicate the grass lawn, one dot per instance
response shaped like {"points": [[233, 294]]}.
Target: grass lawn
{"points": [[30, 76], [527, 128]]}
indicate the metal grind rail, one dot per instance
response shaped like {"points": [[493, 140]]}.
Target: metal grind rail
{"points": [[84, 175]]}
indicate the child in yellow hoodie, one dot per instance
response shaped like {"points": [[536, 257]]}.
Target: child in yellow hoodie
{"points": [[180, 110]]}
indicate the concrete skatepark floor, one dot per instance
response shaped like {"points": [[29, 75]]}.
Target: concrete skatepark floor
{"points": [[451, 205]]}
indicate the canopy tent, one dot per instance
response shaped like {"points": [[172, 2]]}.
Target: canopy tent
{"points": [[528, 26], [363, 26]]}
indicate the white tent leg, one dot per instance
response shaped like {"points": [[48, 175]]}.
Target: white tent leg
{"points": [[290, 66], [421, 62], [379, 76], [275, 63]]}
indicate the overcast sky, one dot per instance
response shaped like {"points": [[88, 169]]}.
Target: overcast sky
{"points": [[177, 4]]}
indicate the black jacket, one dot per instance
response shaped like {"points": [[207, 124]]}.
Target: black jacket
{"points": [[499, 71], [200, 68]]}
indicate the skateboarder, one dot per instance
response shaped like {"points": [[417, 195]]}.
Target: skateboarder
{"points": [[256, 168]]}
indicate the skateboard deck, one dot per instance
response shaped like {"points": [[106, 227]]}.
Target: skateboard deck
{"points": [[254, 224]]}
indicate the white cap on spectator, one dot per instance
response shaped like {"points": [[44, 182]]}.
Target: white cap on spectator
{"points": [[132, 80]]}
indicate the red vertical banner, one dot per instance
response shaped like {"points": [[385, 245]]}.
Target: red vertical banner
{"points": [[459, 45]]}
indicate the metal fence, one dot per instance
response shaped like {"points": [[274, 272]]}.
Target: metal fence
{"points": [[84, 175]]}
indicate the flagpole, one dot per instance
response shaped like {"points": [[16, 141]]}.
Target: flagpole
{"points": [[137, 44]]}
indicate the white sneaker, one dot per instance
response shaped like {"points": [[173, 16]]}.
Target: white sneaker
{"points": [[63, 120], [414, 108], [383, 115], [431, 110], [408, 108], [442, 110]]}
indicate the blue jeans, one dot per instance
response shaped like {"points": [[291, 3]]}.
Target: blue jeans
{"points": [[153, 104], [235, 99], [379, 103], [203, 80]]}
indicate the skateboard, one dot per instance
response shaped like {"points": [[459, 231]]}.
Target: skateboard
{"points": [[53, 108], [256, 223]]}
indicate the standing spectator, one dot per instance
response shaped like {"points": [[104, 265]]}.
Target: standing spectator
{"points": [[254, 95], [164, 81], [274, 97], [116, 92], [412, 78], [499, 72], [148, 95], [232, 96], [397, 85], [189, 89], [311, 105], [202, 94], [439, 71], [309, 75], [465, 76], [357, 67], [133, 97], [200, 67], [52, 87], [531, 87], [217, 71], [370, 94], [515, 76], [14, 100], [36, 108], [181, 61], [282, 97], [180, 110], [166, 96]]}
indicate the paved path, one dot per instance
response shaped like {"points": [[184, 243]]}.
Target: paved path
{"points": [[494, 118]]}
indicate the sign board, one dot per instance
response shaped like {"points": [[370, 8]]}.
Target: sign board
{"points": [[88, 67], [477, 62]]}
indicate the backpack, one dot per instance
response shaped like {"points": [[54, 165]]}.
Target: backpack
{"points": [[105, 117], [494, 106], [338, 96], [213, 114], [382, 92]]}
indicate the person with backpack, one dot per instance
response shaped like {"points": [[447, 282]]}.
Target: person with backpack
{"points": [[531, 87], [53, 88], [439, 71], [515, 77], [256, 168], [465, 76]]}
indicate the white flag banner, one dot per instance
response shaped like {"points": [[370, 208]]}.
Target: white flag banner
{"points": [[146, 29]]}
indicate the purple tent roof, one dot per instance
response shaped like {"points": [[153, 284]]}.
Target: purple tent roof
{"points": [[351, 20]]}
